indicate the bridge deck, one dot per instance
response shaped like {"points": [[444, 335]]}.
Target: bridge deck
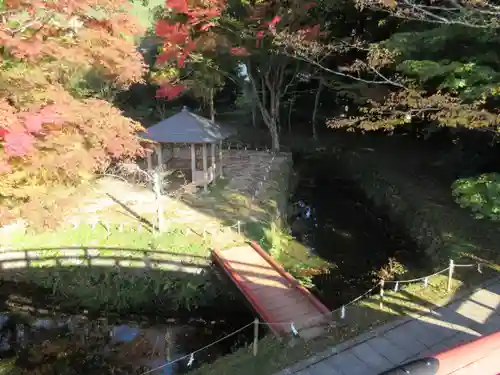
{"points": [[274, 294]]}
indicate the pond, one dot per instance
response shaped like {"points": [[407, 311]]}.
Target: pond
{"points": [[336, 221], [39, 342]]}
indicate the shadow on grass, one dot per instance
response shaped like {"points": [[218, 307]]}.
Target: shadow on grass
{"points": [[149, 226], [118, 280]]}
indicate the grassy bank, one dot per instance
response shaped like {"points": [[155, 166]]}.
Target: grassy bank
{"points": [[110, 263], [117, 269]]}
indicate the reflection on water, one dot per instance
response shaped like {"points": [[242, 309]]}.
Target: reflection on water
{"points": [[333, 218], [77, 345]]}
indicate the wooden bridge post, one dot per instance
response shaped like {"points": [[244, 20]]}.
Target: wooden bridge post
{"points": [[255, 336]]}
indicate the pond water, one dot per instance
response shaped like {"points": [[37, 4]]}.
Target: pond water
{"points": [[334, 219], [38, 343]]}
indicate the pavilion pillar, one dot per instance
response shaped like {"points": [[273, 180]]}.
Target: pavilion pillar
{"points": [[149, 161], [205, 167], [159, 153], [212, 158], [193, 163], [220, 159]]}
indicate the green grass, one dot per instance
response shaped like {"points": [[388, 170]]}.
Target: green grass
{"points": [[175, 240], [120, 276]]}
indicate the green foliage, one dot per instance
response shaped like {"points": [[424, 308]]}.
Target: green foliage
{"points": [[480, 194], [469, 70], [116, 290]]}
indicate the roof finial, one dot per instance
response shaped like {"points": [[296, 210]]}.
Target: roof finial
{"points": [[184, 108]]}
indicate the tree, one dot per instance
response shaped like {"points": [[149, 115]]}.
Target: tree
{"points": [[56, 58], [469, 13], [234, 35], [398, 67]]}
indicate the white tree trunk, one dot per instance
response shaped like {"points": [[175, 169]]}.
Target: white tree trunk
{"points": [[315, 111]]}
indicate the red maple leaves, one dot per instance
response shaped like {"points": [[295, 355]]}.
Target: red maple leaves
{"points": [[239, 51], [173, 33], [47, 135], [18, 135], [196, 32], [182, 38], [180, 6], [18, 144], [169, 91]]}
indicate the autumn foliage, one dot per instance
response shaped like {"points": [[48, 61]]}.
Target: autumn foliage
{"points": [[196, 27], [52, 132]]}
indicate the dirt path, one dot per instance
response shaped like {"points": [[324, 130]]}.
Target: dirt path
{"points": [[247, 180]]}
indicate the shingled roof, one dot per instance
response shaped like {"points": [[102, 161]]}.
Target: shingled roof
{"points": [[186, 127]]}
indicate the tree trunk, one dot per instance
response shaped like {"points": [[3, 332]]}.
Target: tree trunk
{"points": [[315, 111], [268, 112], [254, 115], [290, 109], [211, 103], [270, 122], [275, 137]]}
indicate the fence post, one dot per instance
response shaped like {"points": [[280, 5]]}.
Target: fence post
{"points": [[238, 224], [382, 293], [255, 336], [159, 208], [450, 275]]}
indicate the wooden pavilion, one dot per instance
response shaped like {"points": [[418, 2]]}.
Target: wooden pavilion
{"points": [[188, 136]]}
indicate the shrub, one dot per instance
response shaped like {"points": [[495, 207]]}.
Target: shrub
{"points": [[480, 194]]}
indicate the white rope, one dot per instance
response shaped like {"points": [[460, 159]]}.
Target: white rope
{"points": [[417, 279], [466, 265], [191, 355], [342, 309]]}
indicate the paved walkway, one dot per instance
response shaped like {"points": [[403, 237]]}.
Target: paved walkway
{"points": [[462, 321]]}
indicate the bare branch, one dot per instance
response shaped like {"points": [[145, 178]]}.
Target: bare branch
{"points": [[467, 13]]}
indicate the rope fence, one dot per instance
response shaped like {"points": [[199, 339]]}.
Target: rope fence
{"points": [[139, 227], [341, 311]]}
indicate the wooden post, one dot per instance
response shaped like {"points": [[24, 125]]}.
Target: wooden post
{"points": [[255, 336], [450, 275], [238, 225], [212, 157], [205, 167], [159, 152], [220, 159], [159, 210], [149, 160], [193, 162]]}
